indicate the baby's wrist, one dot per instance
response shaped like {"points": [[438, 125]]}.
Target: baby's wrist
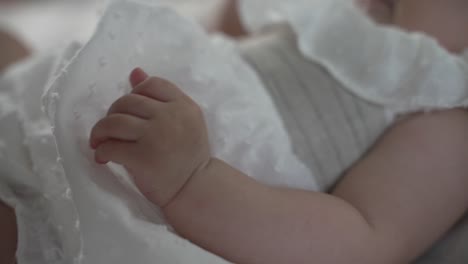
{"points": [[197, 175]]}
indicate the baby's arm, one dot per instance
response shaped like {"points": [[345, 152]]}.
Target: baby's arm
{"points": [[389, 208]]}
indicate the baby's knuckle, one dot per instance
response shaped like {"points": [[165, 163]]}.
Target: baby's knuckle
{"points": [[131, 101], [149, 85], [113, 106], [108, 125], [144, 88], [100, 127], [119, 103], [160, 82], [154, 81], [116, 120]]}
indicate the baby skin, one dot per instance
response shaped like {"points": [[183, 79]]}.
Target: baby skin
{"points": [[446, 21], [378, 213], [390, 207]]}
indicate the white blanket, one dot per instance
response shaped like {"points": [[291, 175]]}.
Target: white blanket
{"points": [[241, 119]]}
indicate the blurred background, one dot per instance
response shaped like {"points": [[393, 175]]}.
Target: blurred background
{"points": [[44, 24]]}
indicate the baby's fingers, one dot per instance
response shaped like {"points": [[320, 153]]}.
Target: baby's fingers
{"points": [[116, 151], [137, 76], [134, 104], [159, 89], [119, 127]]}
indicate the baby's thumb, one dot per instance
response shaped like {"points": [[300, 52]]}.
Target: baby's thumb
{"points": [[137, 76]]}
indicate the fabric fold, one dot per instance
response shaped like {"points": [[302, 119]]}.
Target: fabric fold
{"points": [[241, 119], [402, 71]]}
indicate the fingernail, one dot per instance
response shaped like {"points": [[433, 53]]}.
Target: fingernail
{"points": [[142, 72], [138, 76], [99, 161]]}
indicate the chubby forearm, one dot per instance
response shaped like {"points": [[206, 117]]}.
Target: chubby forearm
{"points": [[247, 222], [378, 213]]}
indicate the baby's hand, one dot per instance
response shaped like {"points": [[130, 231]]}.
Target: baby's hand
{"points": [[157, 133]]}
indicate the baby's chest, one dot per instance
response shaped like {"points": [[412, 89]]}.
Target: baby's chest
{"points": [[330, 128]]}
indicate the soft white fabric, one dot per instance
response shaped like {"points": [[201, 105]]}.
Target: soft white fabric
{"points": [[244, 126], [330, 128], [241, 119], [31, 178], [387, 66]]}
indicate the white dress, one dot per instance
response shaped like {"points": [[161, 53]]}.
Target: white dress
{"points": [[247, 121]]}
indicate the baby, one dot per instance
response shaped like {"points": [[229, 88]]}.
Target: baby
{"points": [[374, 214], [443, 20]]}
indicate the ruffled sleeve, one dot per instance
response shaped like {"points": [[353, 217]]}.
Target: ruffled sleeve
{"points": [[257, 14], [384, 65]]}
